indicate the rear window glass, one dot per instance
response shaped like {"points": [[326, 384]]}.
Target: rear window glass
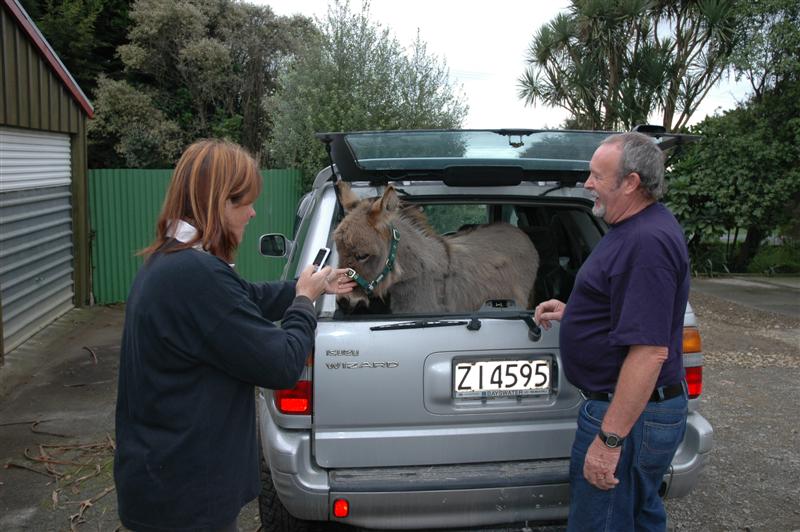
{"points": [[380, 151], [446, 219]]}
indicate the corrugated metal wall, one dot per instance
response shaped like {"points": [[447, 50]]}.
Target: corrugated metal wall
{"points": [[33, 97], [32, 159], [35, 260], [31, 94], [124, 205]]}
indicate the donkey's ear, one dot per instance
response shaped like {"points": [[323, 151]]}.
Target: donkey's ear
{"points": [[388, 202], [347, 196]]}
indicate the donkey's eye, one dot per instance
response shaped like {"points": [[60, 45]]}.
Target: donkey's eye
{"points": [[362, 258]]}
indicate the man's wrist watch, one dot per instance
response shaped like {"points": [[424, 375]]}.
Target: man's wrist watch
{"points": [[611, 440]]}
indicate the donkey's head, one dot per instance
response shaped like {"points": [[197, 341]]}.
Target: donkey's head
{"points": [[364, 240]]}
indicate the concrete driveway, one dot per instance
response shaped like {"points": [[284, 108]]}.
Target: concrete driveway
{"points": [[773, 294], [57, 396]]}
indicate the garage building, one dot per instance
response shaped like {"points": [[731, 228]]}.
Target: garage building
{"points": [[44, 229]]}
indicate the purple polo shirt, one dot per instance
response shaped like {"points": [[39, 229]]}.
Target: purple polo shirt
{"points": [[631, 290]]}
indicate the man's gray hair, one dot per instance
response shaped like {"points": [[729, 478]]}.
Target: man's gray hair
{"points": [[641, 155]]}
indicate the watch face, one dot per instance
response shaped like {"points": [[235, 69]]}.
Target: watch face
{"points": [[610, 439]]}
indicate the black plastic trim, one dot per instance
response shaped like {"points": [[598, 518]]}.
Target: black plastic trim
{"points": [[449, 477]]}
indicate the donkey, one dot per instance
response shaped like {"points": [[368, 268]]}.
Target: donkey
{"points": [[394, 254]]}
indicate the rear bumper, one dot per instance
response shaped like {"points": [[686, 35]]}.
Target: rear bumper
{"points": [[301, 485], [443, 496], [426, 510], [691, 457], [454, 495]]}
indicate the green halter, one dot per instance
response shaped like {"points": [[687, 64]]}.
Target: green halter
{"points": [[369, 287]]}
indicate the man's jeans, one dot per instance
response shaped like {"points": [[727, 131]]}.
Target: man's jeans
{"points": [[634, 504]]}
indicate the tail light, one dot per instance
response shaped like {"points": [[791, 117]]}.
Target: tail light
{"points": [[694, 374], [694, 381], [296, 401]]}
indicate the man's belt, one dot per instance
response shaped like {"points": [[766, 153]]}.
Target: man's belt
{"points": [[662, 393]]}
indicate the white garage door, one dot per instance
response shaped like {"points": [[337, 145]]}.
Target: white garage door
{"points": [[35, 231]]}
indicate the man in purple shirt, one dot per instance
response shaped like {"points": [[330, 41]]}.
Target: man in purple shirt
{"points": [[621, 343]]}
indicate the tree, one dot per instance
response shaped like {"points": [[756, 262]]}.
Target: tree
{"points": [[745, 173], [611, 63], [145, 138], [85, 35], [767, 47], [205, 66], [356, 76]]}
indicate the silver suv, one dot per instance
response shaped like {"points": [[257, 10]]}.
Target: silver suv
{"points": [[383, 431]]}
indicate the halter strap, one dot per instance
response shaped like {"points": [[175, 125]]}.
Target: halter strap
{"points": [[370, 287]]}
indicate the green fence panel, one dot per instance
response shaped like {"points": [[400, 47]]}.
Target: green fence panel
{"points": [[275, 213], [124, 205]]}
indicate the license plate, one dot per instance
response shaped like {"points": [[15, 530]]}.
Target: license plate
{"points": [[501, 378]]}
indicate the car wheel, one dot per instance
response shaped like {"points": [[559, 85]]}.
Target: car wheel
{"points": [[274, 516]]}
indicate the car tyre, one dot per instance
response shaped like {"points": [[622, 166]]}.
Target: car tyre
{"points": [[274, 515]]}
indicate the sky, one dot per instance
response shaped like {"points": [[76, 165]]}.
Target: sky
{"points": [[484, 43]]}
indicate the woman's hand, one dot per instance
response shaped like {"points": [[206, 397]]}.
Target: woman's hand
{"points": [[313, 284]]}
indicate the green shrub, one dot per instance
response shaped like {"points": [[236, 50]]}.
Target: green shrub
{"points": [[777, 259], [709, 259]]}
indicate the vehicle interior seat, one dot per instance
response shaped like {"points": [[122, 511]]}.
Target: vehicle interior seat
{"points": [[549, 277]]}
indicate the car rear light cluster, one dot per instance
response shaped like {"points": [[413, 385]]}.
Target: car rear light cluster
{"points": [[694, 374], [298, 400]]}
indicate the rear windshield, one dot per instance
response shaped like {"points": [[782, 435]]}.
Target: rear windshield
{"points": [[376, 151], [457, 246]]}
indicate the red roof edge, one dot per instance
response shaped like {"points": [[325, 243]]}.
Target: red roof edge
{"points": [[24, 20]]}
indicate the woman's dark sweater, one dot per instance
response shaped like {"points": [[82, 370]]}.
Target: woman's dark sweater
{"points": [[197, 338]]}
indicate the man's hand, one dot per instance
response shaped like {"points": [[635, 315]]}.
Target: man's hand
{"points": [[552, 309], [600, 465]]}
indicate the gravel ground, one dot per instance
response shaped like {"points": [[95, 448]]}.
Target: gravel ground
{"points": [[751, 483], [750, 396]]}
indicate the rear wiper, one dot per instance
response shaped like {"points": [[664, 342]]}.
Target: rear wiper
{"points": [[474, 323], [505, 309], [418, 324]]}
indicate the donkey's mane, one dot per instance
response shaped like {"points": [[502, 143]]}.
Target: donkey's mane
{"points": [[412, 214]]}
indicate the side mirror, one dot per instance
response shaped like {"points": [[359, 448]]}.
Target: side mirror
{"points": [[274, 245]]}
